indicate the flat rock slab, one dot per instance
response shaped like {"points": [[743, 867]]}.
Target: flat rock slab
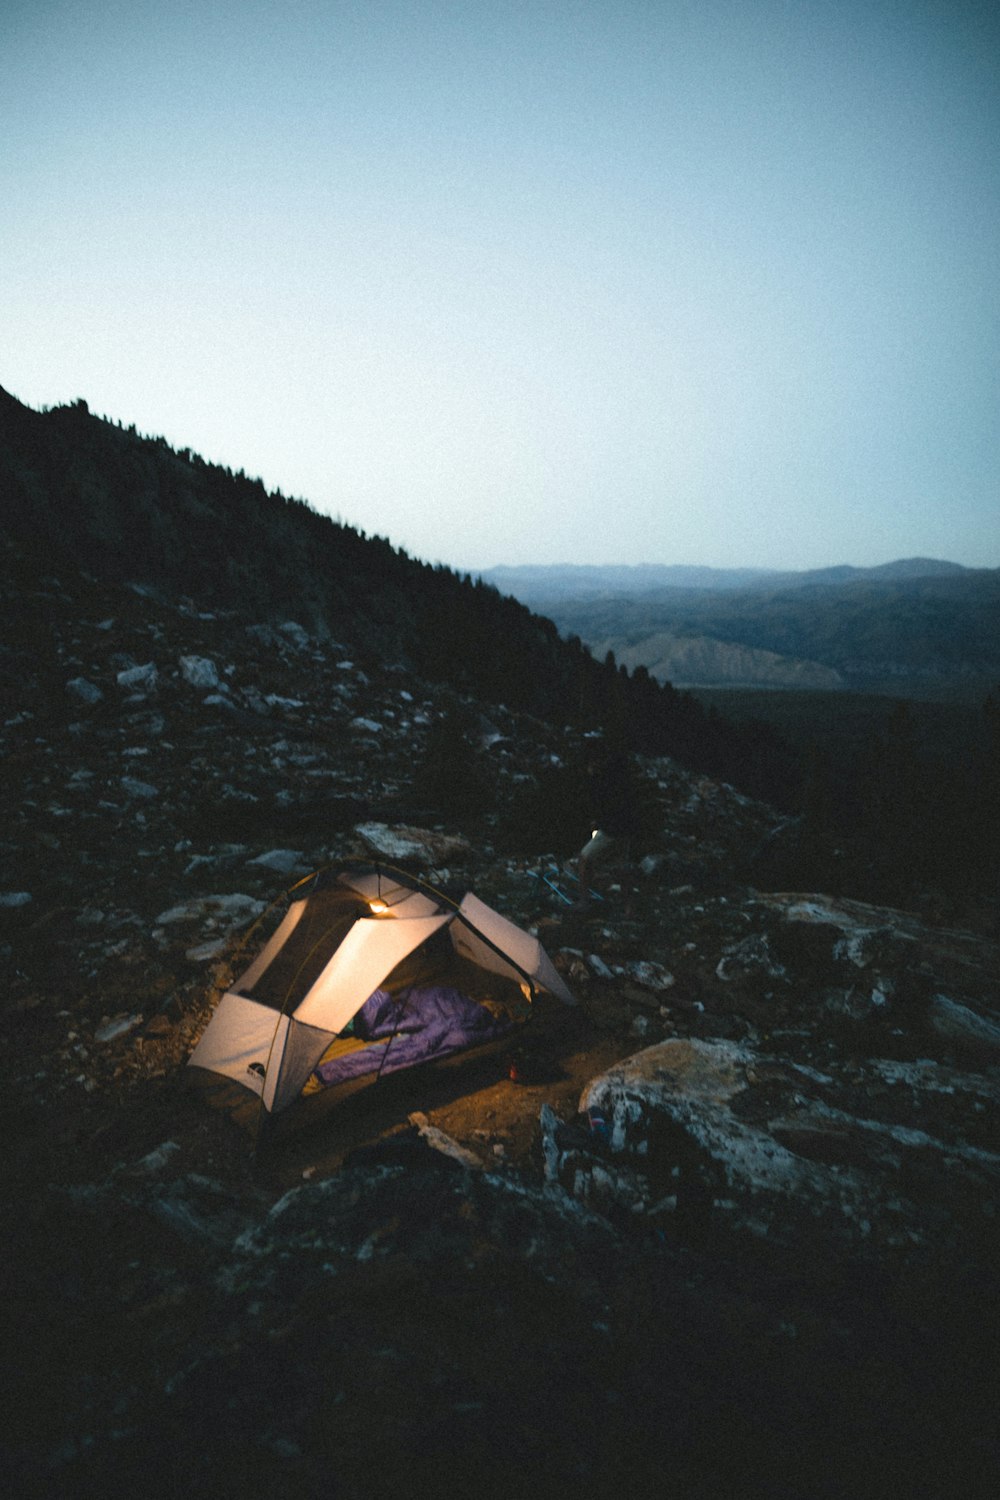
{"points": [[400, 841], [693, 1084], [773, 1144]]}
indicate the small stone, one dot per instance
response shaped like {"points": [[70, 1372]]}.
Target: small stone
{"points": [[294, 632], [110, 1031], [598, 967], [203, 953], [138, 679], [158, 1025], [651, 976], [156, 1159], [136, 788], [12, 899], [87, 692], [281, 861], [230, 910]]}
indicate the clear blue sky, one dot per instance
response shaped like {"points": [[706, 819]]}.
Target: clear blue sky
{"points": [[681, 282]]}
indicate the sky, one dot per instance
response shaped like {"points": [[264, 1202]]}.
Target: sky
{"points": [[528, 281]]}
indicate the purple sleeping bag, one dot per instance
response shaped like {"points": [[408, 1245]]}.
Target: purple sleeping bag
{"points": [[429, 1022]]}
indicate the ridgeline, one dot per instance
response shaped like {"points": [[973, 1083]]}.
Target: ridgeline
{"points": [[84, 493]]}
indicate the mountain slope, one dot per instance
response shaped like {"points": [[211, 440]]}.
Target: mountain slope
{"points": [[80, 492], [701, 659]]}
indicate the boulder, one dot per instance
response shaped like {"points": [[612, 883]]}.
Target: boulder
{"points": [[199, 671], [710, 1127], [214, 911], [293, 632], [281, 861], [87, 692], [958, 1023], [138, 679], [400, 841]]}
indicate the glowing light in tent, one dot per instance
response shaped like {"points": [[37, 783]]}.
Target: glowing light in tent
{"points": [[377, 908]]}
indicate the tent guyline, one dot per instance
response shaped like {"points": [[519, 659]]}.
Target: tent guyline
{"points": [[371, 970]]}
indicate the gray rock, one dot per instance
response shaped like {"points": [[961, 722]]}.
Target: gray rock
{"points": [[402, 841], [281, 861], [154, 1161], [205, 952], [959, 1023], [438, 1140], [118, 1026], [215, 911], [651, 976], [751, 957], [199, 671], [13, 899], [294, 632], [138, 679], [143, 790], [87, 692], [598, 967], [679, 1094]]}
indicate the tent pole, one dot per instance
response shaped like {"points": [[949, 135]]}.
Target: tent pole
{"points": [[395, 1032]]}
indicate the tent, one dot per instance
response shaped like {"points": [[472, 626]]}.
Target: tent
{"points": [[371, 971]]}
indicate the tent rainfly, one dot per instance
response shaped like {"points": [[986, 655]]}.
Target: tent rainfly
{"points": [[370, 971]]}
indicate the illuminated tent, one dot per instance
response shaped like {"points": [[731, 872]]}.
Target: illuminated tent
{"points": [[370, 971]]}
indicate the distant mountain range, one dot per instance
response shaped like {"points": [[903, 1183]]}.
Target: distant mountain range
{"points": [[539, 584], [918, 626]]}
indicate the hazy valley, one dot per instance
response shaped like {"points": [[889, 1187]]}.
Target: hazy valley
{"points": [[918, 628]]}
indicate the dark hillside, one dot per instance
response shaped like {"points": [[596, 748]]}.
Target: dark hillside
{"points": [[86, 498], [845, 724], [81, 492], [897, 796]]}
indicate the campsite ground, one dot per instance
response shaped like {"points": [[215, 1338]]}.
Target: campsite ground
{"points": [[776, 1277], [356, 1312]]}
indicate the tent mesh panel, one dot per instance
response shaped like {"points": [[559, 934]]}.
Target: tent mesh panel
{"points": [[328, 917]]}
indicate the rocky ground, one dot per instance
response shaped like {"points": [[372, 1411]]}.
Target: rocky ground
{"points": [[729, 1227]]}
